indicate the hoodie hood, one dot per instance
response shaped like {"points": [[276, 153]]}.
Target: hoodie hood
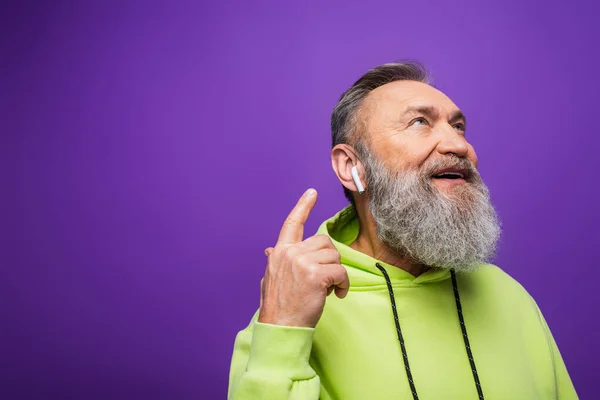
{"points": [[343, 229]]}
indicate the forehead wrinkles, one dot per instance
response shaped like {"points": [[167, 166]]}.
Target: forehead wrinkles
{"points": [[396, 98], [380, 112]]}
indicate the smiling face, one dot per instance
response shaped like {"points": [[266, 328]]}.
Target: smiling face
{"points": [[412, 126], [423, 191]]}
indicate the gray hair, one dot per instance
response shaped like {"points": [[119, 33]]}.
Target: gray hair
{"points": [[344, 118], [456, 228]]}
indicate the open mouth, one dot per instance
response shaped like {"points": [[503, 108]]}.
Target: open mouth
{"points": [[452, 174]]}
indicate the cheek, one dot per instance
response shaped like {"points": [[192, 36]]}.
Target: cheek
{"points": [[419, 152], [393, 151], [401, 153]]}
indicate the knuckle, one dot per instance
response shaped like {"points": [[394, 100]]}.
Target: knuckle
{"points": [[338, 271], [312, 274], [287, 252], [300, 260], [292, 253], [324, 239], [341, 269], [328, 243], [335, 255]]}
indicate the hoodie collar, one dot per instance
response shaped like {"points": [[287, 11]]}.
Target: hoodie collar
{"points": [[343, 229]]}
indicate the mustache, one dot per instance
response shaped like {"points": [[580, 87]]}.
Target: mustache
{"points": [[451, 161]]}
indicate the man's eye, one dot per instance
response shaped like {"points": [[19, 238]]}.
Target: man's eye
{"points": [[460, 126], [419, 121]]}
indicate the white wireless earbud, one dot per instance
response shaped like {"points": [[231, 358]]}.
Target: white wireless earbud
{"points": [[357, 181]]}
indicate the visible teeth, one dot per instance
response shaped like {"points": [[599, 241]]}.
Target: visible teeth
{"points": [[455, 174]]}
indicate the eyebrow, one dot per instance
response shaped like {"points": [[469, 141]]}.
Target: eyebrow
{"points": [[433, 113]]}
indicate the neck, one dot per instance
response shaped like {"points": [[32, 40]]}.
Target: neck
{"points": [[368, 243]]}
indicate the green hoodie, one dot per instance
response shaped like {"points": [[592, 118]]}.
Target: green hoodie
{"points": [[354, 352]]}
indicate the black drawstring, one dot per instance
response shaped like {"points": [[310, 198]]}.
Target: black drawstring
{"points": [[463, 328], [413, 389]]}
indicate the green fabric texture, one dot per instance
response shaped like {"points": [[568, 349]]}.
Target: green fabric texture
{"points": [[354, 352]]}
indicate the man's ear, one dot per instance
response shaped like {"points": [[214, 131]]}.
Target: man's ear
{"points": [[343, 158]]}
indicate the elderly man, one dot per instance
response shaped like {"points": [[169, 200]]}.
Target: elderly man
{"points": [[417, 311]]}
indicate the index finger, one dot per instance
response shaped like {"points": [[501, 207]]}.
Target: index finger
{"points": [[293, 227]]}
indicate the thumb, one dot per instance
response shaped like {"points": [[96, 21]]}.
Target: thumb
{"points": [[268, 251]]}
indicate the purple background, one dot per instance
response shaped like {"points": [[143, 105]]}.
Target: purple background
{"points": [[151, 151]]}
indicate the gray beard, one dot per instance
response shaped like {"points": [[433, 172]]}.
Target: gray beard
{"points": [[458, 229]]}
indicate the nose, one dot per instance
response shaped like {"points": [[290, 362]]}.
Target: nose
{"points": [[453, 142]]}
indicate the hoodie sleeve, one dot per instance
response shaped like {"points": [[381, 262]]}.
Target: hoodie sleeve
{"points": [[564, 387], [270, 362]]}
